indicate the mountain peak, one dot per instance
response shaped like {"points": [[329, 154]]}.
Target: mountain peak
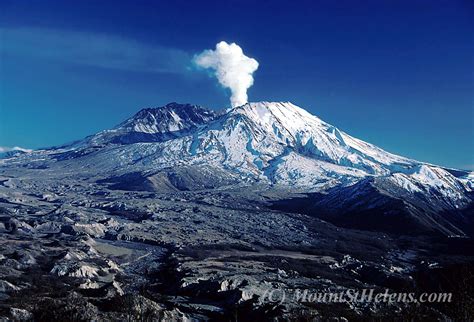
{"points": [[155, 124], [265, 130], [169, 118], [285, 114]]}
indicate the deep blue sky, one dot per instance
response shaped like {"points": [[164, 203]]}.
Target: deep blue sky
{"points": [[398, 74]]}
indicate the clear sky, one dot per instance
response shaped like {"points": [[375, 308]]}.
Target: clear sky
{"points": [[398, 74]]}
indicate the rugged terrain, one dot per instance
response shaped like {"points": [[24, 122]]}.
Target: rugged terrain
{"points": [[184, 212]]}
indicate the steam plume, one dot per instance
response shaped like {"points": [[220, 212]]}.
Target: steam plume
{"points": [[232, 68]]}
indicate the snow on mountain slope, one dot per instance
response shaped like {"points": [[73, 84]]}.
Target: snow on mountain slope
{"points": [[269, 142], [315, 137], [382, 204], [468, 180], [266, 144], [288, 125], [170, 118], [155, 124]]}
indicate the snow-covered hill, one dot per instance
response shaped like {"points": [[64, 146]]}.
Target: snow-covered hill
{"points": [[278, 143], [275, 144]]}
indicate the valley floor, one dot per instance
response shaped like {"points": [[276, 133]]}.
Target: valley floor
{"points": [[75, 250]]}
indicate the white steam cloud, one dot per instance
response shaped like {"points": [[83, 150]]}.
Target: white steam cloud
{"points": [[232, 68]]}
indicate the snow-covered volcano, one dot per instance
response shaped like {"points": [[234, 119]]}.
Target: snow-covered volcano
{"points": [[256, 139], [273, 144]]}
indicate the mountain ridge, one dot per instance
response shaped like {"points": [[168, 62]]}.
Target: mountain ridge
{"points": [[276, 144]]}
